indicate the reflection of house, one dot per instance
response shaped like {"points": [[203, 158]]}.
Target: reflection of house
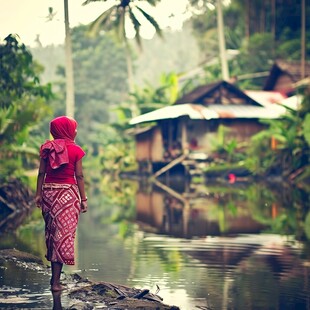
{"points": [[184, 218], [189, 129]]}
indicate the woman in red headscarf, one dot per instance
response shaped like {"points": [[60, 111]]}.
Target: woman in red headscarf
{"points": [[61, 193]]}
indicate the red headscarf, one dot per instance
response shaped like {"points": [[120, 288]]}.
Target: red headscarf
{"points": [[63, 127], [63, 130]]}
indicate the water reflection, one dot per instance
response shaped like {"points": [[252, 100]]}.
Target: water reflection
{"points": [[244, 272], [216, 210], [219, 246], [57, 300], [23, 288], [195, 217], [227, 249]]}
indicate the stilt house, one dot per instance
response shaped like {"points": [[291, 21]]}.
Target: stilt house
{"points": [[188, 130]]}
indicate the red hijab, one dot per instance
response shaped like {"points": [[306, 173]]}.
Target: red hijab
{"points": [[63, 127], [63, 130]]}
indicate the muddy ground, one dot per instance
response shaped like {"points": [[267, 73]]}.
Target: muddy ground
{"points": [[84, 294]]}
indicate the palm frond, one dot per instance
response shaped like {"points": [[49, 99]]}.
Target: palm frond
{"points": [[89, 1], [151, 20], [153, 2], [6, 118], [136, 25], [102, 21], [119, 23], [24, 149]]}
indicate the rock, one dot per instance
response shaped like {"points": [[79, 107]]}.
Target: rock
{"points": [[116, 296], [15, 255], [85, 294]]}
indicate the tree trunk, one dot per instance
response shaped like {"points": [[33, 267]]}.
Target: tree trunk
{"points": [[222, 45], [247, 19], [273, 19], [69, 65], [129, 68], [303, 38], [133, 107], [263, 17]]}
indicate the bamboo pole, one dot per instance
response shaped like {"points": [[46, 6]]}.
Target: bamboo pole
{"points": [[170, 165]]}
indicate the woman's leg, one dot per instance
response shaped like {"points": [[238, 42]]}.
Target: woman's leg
{"points": [[55, 280]]}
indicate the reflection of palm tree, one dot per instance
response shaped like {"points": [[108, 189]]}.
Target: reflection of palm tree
{"points": [[116, 17]]}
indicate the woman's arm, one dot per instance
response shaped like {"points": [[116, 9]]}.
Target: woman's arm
{"points": [[80, 183], [40, 180]]}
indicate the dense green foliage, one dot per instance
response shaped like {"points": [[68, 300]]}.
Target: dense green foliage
{"points": [[150, 97], [19, 74], [22, 103], [288, 154], [260, 32], [100, 81], [292, 150]]}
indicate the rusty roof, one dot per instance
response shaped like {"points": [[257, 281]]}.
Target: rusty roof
{"points": [[214, 111], [245, 111]]}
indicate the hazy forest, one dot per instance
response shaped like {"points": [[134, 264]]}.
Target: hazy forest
{"points": [[32, 80]]}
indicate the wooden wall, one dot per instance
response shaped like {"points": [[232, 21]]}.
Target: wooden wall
{"points": [[201, 135], [149, 145]]}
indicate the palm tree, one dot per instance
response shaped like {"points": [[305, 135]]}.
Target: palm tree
{"points": [[116, 17], [70, 102]]}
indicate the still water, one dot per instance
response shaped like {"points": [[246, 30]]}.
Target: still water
{"points": [[222, 246]]}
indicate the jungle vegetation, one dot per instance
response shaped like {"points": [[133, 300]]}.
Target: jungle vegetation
{"points": [[104, 102], [23, 103]]}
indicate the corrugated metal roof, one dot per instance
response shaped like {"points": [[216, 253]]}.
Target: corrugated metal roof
{"points": [[293, 102], [275, 100], [268, 99], [137, 131], [245, 111], [197, 111], [193, 111]]}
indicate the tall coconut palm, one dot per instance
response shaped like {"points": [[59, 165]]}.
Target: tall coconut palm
{"points": [[115, 18], [70, 100]]}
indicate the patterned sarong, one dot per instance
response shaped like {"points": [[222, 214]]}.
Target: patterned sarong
{"points": [[60, 209]]}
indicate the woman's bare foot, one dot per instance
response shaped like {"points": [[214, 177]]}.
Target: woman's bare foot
{"points": [[57, 287]]}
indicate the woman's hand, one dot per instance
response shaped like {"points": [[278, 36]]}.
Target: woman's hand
{"points": [[38, 201], [84, 206]]}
